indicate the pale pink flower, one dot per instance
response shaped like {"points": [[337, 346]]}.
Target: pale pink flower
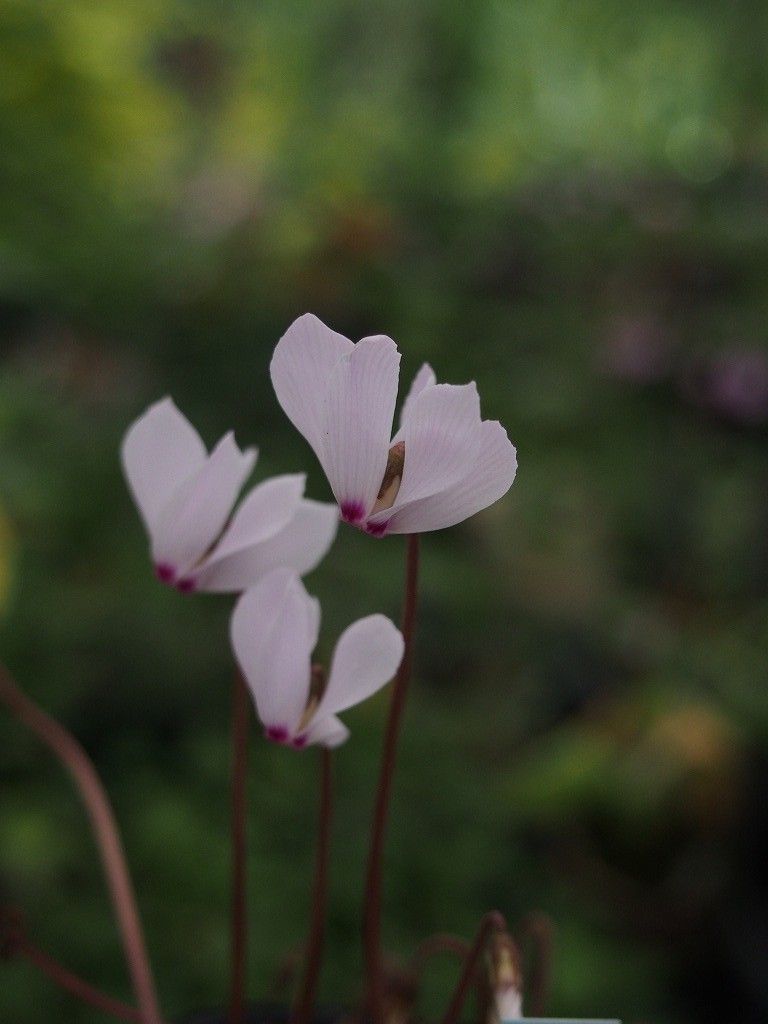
{"points": [[185, 497], [444, 463], [274, 630]]}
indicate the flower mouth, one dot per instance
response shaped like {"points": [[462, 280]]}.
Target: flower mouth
{"points": [[165, 572], [352, 512], [281, 735], [377, 529], [277, 734]]}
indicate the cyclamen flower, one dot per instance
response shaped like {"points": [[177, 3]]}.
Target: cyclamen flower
{"points": [[443, 465], [274, 630], [185, 497]]}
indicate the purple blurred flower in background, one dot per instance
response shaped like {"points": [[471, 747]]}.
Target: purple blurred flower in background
{"points": [[732, 384], [638, 350]]}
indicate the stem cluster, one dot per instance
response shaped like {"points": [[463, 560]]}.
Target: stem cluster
{"points": [[15, 942]]}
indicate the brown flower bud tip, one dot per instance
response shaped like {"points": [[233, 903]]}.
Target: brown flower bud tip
{"points": [[505, 977], [393, 474], [316, 691], [317, 681], [400, 994], [506, 963]]}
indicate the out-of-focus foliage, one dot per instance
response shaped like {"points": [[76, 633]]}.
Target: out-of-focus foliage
{"points": [[564, 201]]}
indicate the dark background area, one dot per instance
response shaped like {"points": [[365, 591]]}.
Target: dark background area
{"points": [[566, 202]]}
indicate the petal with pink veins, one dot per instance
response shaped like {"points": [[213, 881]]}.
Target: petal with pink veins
{"points": [[273, 631], [441, 438], [490, 473], [196, 514], [424, 378], [367, 656], [301, 369], [357, 424], [300, 546], [264, 512], [160, 451]]}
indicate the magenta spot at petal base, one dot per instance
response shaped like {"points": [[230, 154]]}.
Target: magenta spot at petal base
{"points": [[299, 742], [377, 529], [352, 511], [276, 733], [165, 572], [186, 585]]}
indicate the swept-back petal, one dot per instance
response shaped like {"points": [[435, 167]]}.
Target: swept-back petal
{"points": [[264, 512], [424, 378], [196, 514], [301, 368], [489, 476], [328, 732], [273, 631], [366, 657], [441, 437], [300, 546], [357, 423], [160, 450]]}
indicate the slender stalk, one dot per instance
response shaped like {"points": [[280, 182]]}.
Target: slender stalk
{"points": [[492, 922], [239, 922], [438, 944], [539, 930], [72, 983], [374, 980], [71, 754], [442, 942], [305, 1003]]}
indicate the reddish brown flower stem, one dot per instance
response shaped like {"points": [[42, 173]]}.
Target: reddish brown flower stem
{"points": [[72, 983], [374, 980], [539, 930], [442, 942], [71, 754], [492, 922], [239, 922], [305, 1003]]}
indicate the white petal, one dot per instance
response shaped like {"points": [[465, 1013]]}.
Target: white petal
{"points": [[300, 545], [424, 378], [366, 657], [489, 476], [200, 507], [301, 368], [160, 450], [328, 731], [264, 512], [357, 424], [441, 437], [273, 631]]}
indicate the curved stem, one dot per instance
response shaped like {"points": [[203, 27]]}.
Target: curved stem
{"points": [[492, 922], [441, 942], [71, 754], [374, 981], [239, 923], [436, 945], [71, 982], [302, 1011]]}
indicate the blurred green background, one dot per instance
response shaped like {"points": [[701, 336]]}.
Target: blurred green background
{"points": [[567, 202]]}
